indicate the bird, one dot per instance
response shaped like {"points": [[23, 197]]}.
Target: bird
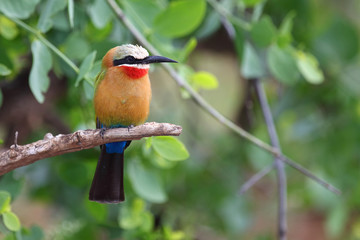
{"points": [[121, 100]]}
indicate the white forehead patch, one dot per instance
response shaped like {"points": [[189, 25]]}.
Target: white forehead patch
{"points": [[136, 51]]}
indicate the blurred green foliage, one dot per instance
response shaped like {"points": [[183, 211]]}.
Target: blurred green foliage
{"points": [[307, 54]]}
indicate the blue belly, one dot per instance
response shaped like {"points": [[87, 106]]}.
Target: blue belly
{"points": [[115, 147]]}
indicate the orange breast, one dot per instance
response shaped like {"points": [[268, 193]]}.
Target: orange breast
{"points": [[121, 100]]}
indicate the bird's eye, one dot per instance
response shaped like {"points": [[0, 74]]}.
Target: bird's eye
{"points": [[130, 59]]}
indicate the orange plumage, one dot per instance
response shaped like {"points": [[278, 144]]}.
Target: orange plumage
{"points": [[122, 98]]}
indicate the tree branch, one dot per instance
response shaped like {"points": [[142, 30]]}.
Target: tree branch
{"points": [[279, 165], [18, 156], [211, 110]]}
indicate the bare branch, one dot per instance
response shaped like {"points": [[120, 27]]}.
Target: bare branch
{"points": [[18, 156], [255, 178], [279, 165]]}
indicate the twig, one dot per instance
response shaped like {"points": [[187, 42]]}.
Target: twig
{"points": [[51, 146], [16, 139], [279, 165], [209, 109], [255, 178]]}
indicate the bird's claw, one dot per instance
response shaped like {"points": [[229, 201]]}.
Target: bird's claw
{"points": [[129, 127], [102, 132]]}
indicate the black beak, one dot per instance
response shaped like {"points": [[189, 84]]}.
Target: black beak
{"points": [[156, 59]]}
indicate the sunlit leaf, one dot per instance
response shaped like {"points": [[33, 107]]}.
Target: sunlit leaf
{"points": [[5, 199], [251, 66], [50, 9], [263, 32], [85, 67], [180, 18], [8, 28], [146, 183], [42, 61], [4, 70], [11, 221], [170, 148], [282, 65], [309, 67], [20, 8], [204, 80]]}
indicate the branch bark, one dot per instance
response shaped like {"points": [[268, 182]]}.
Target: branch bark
{"points": [[18, 156]]}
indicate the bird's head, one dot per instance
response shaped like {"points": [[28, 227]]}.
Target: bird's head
{"points": [[133, 59]]}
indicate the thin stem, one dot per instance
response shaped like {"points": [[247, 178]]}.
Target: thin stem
{"points": [[224, 12], [255, 178], [208, 108], [279, 165], [42, 39]]}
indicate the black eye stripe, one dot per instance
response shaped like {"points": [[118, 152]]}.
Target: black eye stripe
{"points": [[126, 60]]}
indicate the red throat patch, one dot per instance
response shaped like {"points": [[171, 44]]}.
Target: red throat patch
{"points": [[134, 72]]}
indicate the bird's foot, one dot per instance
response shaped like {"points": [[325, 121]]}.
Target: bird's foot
{"points": [[102, 132], [130, 127]]}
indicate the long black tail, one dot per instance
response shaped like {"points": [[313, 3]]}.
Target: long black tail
{"points": [[108, 182]]}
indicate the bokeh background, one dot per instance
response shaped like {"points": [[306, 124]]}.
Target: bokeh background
{"points": [[306, 53]]}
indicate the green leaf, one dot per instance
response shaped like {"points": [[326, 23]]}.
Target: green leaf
{"points": [[146, 183], [161, 162], [11, 221], [88, 90], [282, 65], [251, 3], [187, 50], [142, 13], [4, 70], [100, 13], [180, 18], [71, 12], [5, 200], [339, 43], [35, 233], [85, 67], [309, 67], [136, 216], [170, 148], [20, 8], [8, 28], [51, 8], [97, 210], [76, 46], [285, 37], [263, 32], [251, 66], [42, 62], [336, 220], [204, 80]]}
